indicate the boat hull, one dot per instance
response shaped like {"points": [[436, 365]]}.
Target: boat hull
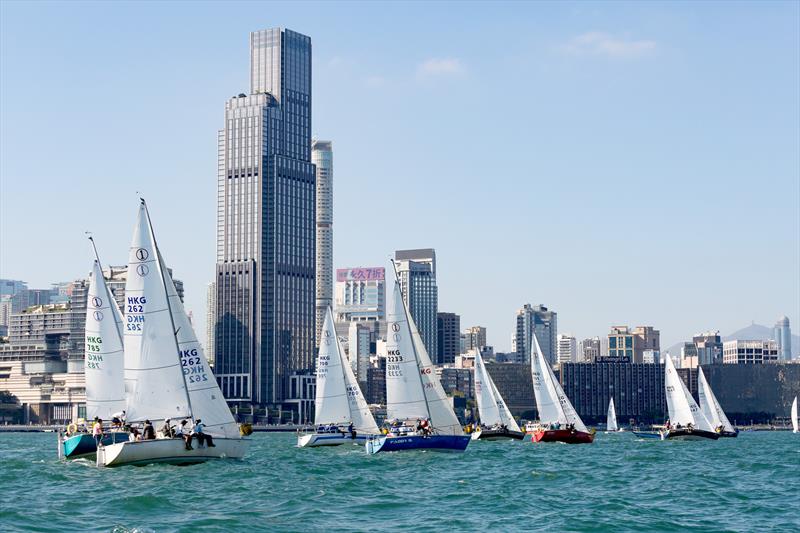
{"points": [[730, 434], [689, 434], [443, 443], [568, 436], [83, 445], [314, 440], [497, 434], [647, 434], [170, 451]]}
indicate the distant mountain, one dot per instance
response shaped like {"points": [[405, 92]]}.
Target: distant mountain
{"points": [[751, 332]]}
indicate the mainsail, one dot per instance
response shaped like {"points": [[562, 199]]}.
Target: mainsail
{"points": [[682, 408], [709, 405], [493, 410], [551, 402], [154, 381], [104, 364], [611, 419], [331, 405], [206, 400], [795, 423]]}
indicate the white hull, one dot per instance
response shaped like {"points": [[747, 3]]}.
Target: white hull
{"points": [[313, 440], [170, 451]]}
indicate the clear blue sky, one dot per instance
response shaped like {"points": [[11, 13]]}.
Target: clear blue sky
{"points": [[622, 163]]}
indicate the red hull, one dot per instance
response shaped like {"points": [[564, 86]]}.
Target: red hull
{"points": [[562, 435]]}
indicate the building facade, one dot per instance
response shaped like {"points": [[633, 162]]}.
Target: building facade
{"points": [[541, 321], [744, 352], [417, 272], [783, 338], [360, 294], [211, 320], [567, 349], [474, 338], [266, 226], [322, 157], [448, 338], [625, 344], [589, 350]]}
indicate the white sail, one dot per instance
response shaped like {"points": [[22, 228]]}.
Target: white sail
{"points": [[611, 419], [360, 415], [551, 402], [795, 422], [154, 383], [505, 414], [709, 405], [492, 408], [682, 408], [104, 360], [331, 404], [206, 399], [405, 398]]}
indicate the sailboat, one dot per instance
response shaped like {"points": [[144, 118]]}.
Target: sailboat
{"points": [[339, 403], [496, 420], [417, 410], [795, 423], [611, 418], [711, 409], [166, 373], [103, 367], [558, 420], [686, 420]]}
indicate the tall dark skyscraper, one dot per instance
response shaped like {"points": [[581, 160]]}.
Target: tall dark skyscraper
{"points": [[265, 270]]}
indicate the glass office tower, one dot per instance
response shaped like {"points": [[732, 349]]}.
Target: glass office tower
{"points": [[265, 271]]}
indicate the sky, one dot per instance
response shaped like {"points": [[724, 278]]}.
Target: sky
{"points": [[620, 163]]}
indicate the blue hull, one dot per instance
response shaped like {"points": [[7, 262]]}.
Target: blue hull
{"points": [[647, 434], [83, 445], [444, 443]]}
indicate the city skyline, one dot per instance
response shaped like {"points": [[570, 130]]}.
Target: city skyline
{"points": [[634, 70]]}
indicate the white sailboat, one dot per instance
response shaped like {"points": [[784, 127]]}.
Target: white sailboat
{"points": [[686, 420], [496, 420], [558, 419], [341, 414], [417, 408], [795, 423], [710, 407], [103, 368], [611, 418], [166, 373]]}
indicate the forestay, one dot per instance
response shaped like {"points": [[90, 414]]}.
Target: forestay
{"points": [[206, 398], [154, 383], [682, 408], [611, 418], [331, 404], [405, 398], [104, 360], [709, 405], [552, 403]]}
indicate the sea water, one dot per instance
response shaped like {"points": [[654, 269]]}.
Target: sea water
{"points": [[618, 483]]}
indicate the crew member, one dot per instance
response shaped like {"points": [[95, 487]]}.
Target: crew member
{"points": [[167, 430], [97, 430], [200, 436], [148, 432]]}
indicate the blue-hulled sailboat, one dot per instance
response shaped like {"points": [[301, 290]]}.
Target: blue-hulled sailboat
{"points": [[418, 412]]}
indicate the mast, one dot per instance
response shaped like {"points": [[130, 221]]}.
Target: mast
{"points": [[413, 347], [169, 307]]}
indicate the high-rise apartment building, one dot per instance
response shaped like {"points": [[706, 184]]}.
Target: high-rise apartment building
{"points": [[417, 272], [589, 350], [540, 320], [708, 346], [629, 345], [474, 338], [783, 337], [322, 157], [567, 349], [449, 338], [744, 352], [360, 294], [266, 226]]}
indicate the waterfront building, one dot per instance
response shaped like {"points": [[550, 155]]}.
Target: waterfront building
{"points": [[567, 350], [544, 323], [783, 338], [322, 157], [589, 350], [448, 338], [749, 352], [211, 320], [266, 227], [625, 344], [457, 381], [474, 337], [514, 383], [708, 347], [360, 294], [417, 272]]}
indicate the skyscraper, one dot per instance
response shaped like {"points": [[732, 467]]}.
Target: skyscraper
{"points": [[211, 319], [266, 222], [448, 338], [783, 337], [417, 272], [322, 157], [544, 323]]}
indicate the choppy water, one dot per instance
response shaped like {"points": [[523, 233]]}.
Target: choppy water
{"points": [[618, 483]]}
